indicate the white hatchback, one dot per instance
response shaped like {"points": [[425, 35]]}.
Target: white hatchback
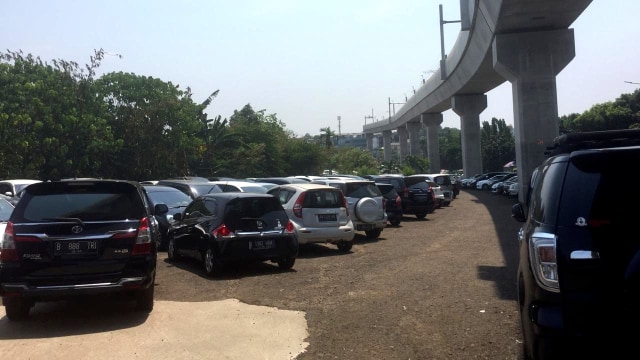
{"points": [[318, 212]]}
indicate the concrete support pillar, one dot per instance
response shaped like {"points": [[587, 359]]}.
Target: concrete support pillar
{"points": [[432, 122], [403, 136], [469, 107], [414, 128], [531, 61], [386, 139], [369, 138]]}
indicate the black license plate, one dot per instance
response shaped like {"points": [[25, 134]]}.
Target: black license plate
{"points": [[327, 217], [261, 244], [364, 227], [75, 247]]}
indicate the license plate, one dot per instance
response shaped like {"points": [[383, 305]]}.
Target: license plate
{"points": [[362, 227], [75, 247], [327, 217], [261, 244]]}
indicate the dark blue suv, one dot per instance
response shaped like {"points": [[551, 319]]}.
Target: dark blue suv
{"points": [[578, 278]]}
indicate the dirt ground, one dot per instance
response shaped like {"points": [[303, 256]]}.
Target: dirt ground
{"points": [[438, 288]]}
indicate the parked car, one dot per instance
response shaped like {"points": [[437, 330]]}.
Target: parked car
{"points": [[513, 190], [444, 182], [193, 188], [279, 180], [578, 277], [175, 200], [365, 204], [244, 186], [6, 208], [233, 227], [437, 192], [318, 212], [78, 237], [392, 203], [473, 181], [11, 188], [418, 199], [487, 183]]}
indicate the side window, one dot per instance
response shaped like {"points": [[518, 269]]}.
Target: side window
{"points": [[196, 209], [212, 206], [546, 193], [6, 189]]}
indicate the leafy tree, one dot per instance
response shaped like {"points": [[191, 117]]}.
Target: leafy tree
{"points": [[415, 165], [497, 144], [348, 160], [155, 125], [51, 123], [328, 136], [450, 141]]}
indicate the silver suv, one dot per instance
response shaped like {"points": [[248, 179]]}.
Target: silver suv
{"points": [[365, 203], [318, 212]]}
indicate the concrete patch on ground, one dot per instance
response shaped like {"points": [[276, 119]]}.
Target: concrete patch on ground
{"points": [[225, 329]]}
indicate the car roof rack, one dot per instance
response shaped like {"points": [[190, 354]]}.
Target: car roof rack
{"points": [[567, 143]]}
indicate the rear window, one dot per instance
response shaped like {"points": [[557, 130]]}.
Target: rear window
{"points": [[442, 180], [397, 183], [85, 201], [360, 190], [322, 199]]}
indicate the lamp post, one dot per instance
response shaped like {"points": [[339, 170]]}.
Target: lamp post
{"points": [[443, 71]]}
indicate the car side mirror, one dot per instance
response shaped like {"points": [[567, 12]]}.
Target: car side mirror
{"points": [[517, 212], [160, 209]]}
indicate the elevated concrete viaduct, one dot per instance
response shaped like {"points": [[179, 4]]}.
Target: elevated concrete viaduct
{"points": [[524, 42]]}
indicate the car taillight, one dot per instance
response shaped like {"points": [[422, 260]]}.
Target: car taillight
{"points": [[405, 192], [384, 203], [222, 231], [398, 201], [542, 255], [7, 245], [142, 246], [289, 228], [344, 203], [297, 206]]}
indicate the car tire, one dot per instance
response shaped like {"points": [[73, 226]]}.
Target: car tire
{"points": [[344, 246], [172, 252], [395, 222], [144, 298], [373, 234], [16, 309], [286, 262], [366, 210], [421, 215], [212, 265]]}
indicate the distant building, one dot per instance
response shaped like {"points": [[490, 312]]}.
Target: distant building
{"points": [[357, 140]]}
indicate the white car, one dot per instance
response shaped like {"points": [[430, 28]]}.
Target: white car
{"points": [[318, 213], [437, 191], [243, 186]]}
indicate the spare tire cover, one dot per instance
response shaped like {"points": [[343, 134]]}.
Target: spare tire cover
{"points": [[367, 210]]}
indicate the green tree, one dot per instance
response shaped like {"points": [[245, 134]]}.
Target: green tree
{"points": [[497, 144], [450, 143]]}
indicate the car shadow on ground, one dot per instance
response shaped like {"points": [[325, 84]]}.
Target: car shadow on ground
{"points": [[230, 271], [79, 316], [310, 251]]}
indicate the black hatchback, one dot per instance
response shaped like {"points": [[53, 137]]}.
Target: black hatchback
{"points": [[77, 237], [233, 227]]}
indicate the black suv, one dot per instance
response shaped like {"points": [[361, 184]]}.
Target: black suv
{"points": [[78, 237], [578, 278]]}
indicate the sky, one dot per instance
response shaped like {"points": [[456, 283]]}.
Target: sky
{"points": [[315, 64]]}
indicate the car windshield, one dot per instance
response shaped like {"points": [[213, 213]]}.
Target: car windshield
{"points": [[172, 199]]}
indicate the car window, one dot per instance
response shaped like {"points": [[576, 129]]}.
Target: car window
{"points": [[422, 184], [84, 206], [201, 189], [170, 198], [196, 209], [5, 210], [360, 190], [442, 180], [323, 199]]}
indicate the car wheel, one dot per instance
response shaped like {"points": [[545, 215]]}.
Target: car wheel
{"points": [[395, 222], [212, 265], [16, 309], [345, 245], [373, 234], [286, 262], [421, 215], [172, 252], [144, 298]]}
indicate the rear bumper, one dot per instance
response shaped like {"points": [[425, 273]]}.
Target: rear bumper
{"points": [[308, 235], [69, 290]]}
